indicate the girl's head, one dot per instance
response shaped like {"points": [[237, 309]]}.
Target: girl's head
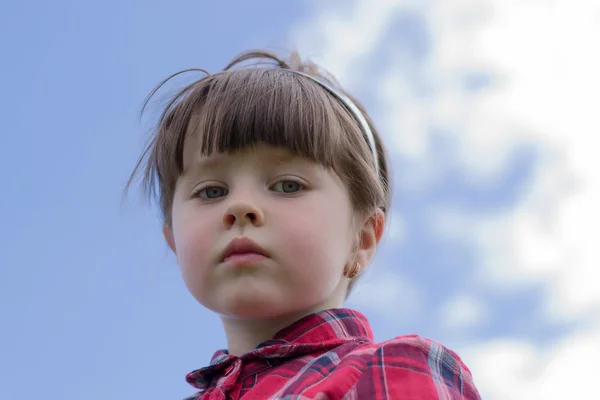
{"points": [[265, 154]]}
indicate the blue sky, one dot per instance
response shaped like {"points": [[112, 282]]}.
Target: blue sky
{"points": [[91, 301]]}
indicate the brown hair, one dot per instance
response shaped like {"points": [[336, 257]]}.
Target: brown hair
{"points": [[264, 103]]}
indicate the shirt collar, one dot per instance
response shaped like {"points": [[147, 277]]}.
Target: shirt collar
{"points": [[327, 325], [323, 330]]}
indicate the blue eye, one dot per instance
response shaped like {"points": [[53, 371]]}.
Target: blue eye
{"points": [[287, 187], [212, 192]]}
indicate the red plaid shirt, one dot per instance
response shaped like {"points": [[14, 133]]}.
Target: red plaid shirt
{"points": [[331, 355]]}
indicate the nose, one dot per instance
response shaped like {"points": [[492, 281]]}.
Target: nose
{"points": [[242, 213]]}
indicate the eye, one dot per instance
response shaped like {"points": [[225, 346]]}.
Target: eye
{"points": [[287, 186], [212, 192]]}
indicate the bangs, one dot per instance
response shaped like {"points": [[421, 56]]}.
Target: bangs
{"points": [[235, 110]]}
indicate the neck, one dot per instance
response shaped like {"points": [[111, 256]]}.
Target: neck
{"points": [[243, 335]]}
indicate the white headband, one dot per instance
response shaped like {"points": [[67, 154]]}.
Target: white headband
{"points": [[364, 126]]}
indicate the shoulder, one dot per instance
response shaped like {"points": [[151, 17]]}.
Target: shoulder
{"points": [[415, 366]]}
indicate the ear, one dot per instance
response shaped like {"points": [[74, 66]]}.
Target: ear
{"points": [[370, 235], [168, 234]]}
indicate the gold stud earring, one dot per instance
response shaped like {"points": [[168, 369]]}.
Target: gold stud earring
{"points": [[353, 272]]}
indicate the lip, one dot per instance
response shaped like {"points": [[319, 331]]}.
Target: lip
{"points": [[242, 250]]}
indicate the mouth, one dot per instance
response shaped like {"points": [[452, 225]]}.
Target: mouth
{"points": [[243, 251]]}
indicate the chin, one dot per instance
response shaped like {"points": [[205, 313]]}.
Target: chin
{"points": [[253, 309], [256, 307]]}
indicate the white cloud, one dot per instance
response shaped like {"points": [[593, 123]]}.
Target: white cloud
{"points": [[462, 313], [551, 85], [544, 92], [510, 369], [342, 33]]}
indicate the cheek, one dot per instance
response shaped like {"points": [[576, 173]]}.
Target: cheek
{"points": [[194, 244], [318, 239]]}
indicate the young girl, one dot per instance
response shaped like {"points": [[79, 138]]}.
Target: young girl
{"points": [[274, 188]]}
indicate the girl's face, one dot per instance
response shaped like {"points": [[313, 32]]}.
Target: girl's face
{"points": [[298, 213]]}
